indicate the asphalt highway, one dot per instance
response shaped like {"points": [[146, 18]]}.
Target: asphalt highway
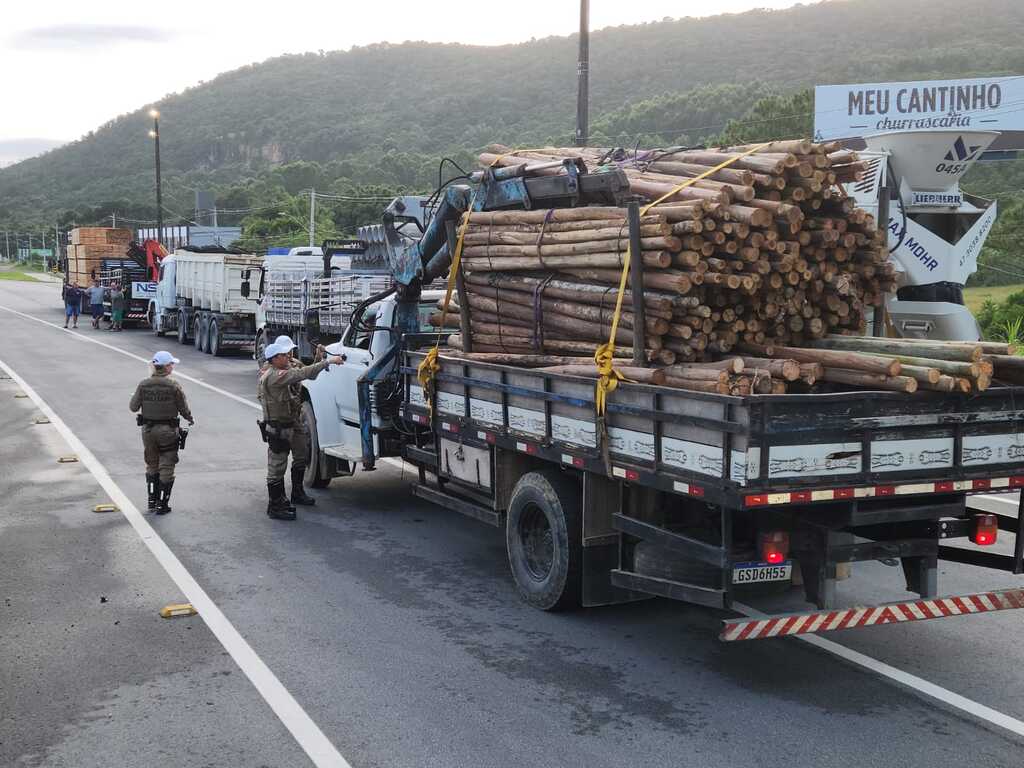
{"points": [[393, 624]]}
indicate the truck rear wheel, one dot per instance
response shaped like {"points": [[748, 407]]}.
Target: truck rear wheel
{"points": [[313, 477], [544, 539], [214, 345], [259, 348], [182, 328]]}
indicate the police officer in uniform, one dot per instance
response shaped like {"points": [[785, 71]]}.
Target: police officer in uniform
{"points": [[279, 390], [161, 399]]}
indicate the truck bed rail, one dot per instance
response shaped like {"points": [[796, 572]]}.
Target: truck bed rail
{"points": [[753, 451]]}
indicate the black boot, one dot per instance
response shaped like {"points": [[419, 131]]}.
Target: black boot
{"points": [[298, 492], [153, 487], [165, 497], [277, 506]]}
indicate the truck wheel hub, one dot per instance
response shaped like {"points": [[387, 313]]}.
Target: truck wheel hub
{"points": [[538, 544]]}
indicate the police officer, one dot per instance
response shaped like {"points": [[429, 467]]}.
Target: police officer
{"points": [[280, 393], [161, 399]]}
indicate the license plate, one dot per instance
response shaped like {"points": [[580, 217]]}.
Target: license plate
{"points": [[751, 573]]}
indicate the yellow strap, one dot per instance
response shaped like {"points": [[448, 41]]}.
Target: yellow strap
{"points": [[429, 366], [608, 378]]}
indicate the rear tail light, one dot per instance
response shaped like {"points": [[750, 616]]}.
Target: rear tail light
{"points": [[774, 547], [986, 530]]}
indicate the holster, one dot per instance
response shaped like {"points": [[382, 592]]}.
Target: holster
{"points": [[275, 439], [263, 430], [182, 437], [139, 421]]}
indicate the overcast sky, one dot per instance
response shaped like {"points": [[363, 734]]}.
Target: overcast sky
{"points": [[68, 67]]}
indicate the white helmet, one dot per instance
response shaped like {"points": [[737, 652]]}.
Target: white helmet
{"points": [[275, 349], [285, 342]]}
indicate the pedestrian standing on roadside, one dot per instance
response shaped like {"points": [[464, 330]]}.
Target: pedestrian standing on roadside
{"points": [[96, 302], [159, 400], [116, 308], [276, 393], [72, 304]]}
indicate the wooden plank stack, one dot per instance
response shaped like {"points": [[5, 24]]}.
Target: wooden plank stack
{"points": [[89, 246]]}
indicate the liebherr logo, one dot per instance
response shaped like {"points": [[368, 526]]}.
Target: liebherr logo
{"points": [[960, 152]]}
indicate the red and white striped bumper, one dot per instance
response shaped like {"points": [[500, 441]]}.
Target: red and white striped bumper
{"points": [[867, 615]]}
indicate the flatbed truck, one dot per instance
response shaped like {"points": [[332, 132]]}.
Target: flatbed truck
{"points": [[691, 496]]}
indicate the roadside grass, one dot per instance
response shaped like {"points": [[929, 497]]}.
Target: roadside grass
{"points": [[12, 275], [975, 297]]}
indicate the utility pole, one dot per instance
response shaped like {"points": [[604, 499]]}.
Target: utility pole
{"points": [[583, 78], [312, 217], [7, 246], [155, 133]]}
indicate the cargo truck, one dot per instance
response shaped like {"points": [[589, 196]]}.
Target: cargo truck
{"points": [[201, 296], [668, 492]]}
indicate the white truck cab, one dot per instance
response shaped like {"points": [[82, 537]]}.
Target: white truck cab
{"points": [[331, 409]]}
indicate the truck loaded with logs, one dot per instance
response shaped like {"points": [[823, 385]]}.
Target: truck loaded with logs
{"points": [[651, 369]]}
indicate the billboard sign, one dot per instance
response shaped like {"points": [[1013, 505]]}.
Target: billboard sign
{"points": [[853, 111]]}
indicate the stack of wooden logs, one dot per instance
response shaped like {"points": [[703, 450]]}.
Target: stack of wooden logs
{"points": [[769, 250], [756, 279]]}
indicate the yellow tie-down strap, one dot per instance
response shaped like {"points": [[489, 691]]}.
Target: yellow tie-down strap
{"points": [[608, 378]]}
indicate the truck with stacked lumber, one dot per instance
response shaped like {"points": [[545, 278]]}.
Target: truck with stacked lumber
{"points": [[202, 297], [92, 252], [650, 370]]}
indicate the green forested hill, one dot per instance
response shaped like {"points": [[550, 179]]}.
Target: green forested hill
{"points": [[383, 114]]}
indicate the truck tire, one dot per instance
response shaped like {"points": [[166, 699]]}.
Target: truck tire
{"points": [[215, 344], [182, 328], [313, 478], [259, 347], [543, 535], [200, 334]]}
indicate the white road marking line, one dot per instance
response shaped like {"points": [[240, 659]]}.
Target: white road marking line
{"points": [[178, 374], [309, 736], [955, 700], [132, 355]]}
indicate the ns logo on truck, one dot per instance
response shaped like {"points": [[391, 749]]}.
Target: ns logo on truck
{"points": [[957, 158]]}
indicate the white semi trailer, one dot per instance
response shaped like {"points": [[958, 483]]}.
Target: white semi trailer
{"points": [[201, 295]]}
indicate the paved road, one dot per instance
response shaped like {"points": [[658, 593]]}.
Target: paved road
{"points": [[393, 623]]}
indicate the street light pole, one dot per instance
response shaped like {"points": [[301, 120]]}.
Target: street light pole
{"points": [[155, 133]]}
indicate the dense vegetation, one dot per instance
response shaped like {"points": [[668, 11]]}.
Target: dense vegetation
{"points": [[363, 124]]}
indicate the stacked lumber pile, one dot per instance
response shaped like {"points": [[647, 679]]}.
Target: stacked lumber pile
{"points": [[769, 250], [756, 279], [89, 246]]}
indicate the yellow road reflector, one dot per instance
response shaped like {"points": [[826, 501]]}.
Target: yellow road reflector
{"points": [[42, 420], [105, 508], [67, 459], [178, 609], [20, 394]]}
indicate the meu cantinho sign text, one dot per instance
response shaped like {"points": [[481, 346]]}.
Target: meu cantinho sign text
{"points": [[848, 111]]}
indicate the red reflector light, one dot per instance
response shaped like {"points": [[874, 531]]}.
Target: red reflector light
{"points": [[986, 530], [774, 547], [885, 490], [800, 496], [981, 485], [944, 487], [1017, 482], [755, 500]]}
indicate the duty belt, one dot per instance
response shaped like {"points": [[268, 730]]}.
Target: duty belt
{"points": [[168, 422]]}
